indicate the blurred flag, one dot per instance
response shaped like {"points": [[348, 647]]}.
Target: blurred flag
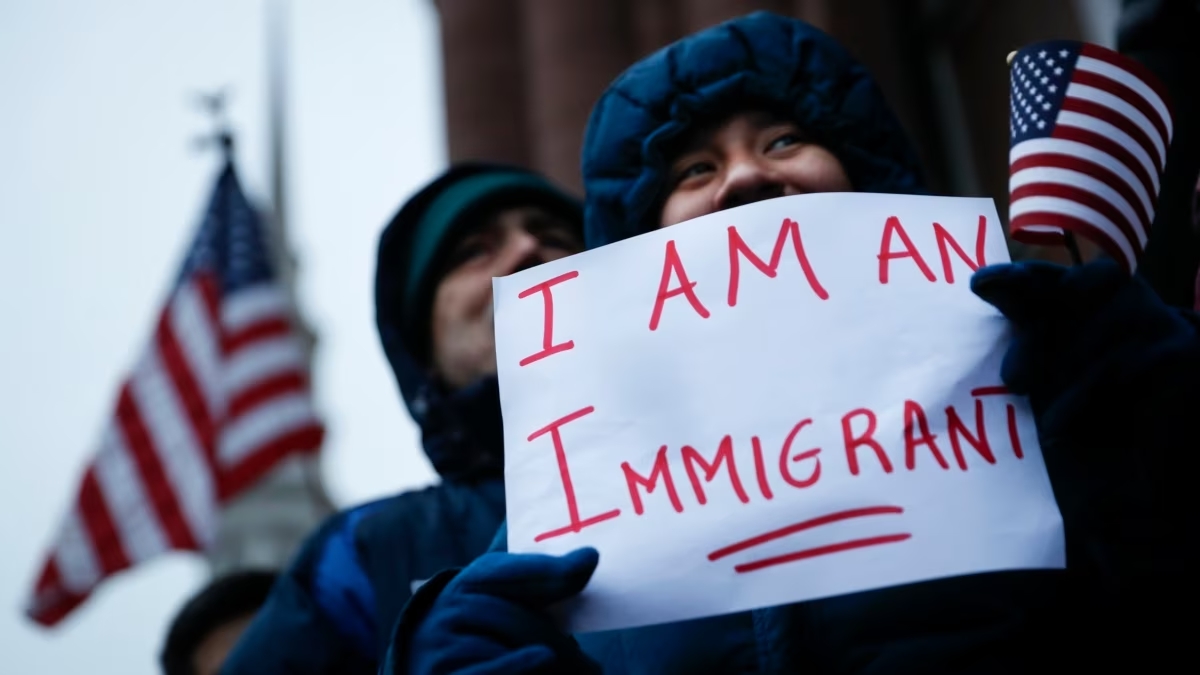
{"points": [[219, 395], [1090, 130]]}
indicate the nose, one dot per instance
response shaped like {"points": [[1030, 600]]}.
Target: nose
{"points": [[746, 181], [521, 250]]}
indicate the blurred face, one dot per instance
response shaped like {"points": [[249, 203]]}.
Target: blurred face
{"points": [[210, 655], [750, 157], [464, 345]]}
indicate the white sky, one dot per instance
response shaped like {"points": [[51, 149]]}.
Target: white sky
{"points": [[100, 190]]}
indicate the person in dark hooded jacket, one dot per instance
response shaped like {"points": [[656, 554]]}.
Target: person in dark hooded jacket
{"points": [[766, 106], [332, 612]]}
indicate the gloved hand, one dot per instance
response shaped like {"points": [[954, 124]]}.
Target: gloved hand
{"points": [[1080, 328], [1113, 377], [1097, 353], [1111, 371], [491, 619]]}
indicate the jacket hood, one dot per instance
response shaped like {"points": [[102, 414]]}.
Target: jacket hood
{"points": [[461, 430], [762, 60]]}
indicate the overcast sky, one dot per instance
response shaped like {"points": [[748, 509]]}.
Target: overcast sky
{"points": [[100, 190]]}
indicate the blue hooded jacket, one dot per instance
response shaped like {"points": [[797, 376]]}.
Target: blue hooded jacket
{"points": [[334, 608]]}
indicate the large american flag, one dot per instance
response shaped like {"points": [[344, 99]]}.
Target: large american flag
{"points": [[219, 395], [1090, 130]]}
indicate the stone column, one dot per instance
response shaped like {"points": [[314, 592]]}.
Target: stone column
{"points": [[573, 50], [701, 14], [655, 24], [816, 12], [484, 80]]}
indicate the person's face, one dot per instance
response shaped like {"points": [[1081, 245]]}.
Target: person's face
{"points": [[464, 344], [750, 157], [210, 655]]}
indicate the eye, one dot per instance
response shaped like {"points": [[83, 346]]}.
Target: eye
{"points": [[784, 140], [560, 239], [468, 250], [553, 233], [692, 170]]}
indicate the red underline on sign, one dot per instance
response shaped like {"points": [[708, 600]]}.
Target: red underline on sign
{"points": [[820, 551], [999, 390], [800, 527]]}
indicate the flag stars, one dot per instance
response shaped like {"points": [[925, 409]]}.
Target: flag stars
{"points": [[1036, 78]]}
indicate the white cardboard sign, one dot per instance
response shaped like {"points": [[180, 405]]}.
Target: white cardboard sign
{"points": [[790, 400]]}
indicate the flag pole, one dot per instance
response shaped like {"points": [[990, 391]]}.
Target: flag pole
{"points": [[1068, 236], [276, 27], [277, 72]]}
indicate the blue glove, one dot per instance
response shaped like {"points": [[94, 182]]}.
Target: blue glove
{"points": [[1110, 370], [490, 618], [1113, 376]]}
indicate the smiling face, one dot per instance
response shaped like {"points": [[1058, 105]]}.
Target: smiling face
{"points": [[749, 157], [508, 241]]}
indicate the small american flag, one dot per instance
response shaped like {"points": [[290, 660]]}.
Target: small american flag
{"points": [[219, 396], [1090, 130]]}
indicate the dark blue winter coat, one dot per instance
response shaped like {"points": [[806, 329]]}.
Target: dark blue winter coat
{"points": [[334, 609]]}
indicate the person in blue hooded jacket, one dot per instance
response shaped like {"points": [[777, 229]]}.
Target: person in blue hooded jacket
{"points": [[766, 106], [333, 610]]}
